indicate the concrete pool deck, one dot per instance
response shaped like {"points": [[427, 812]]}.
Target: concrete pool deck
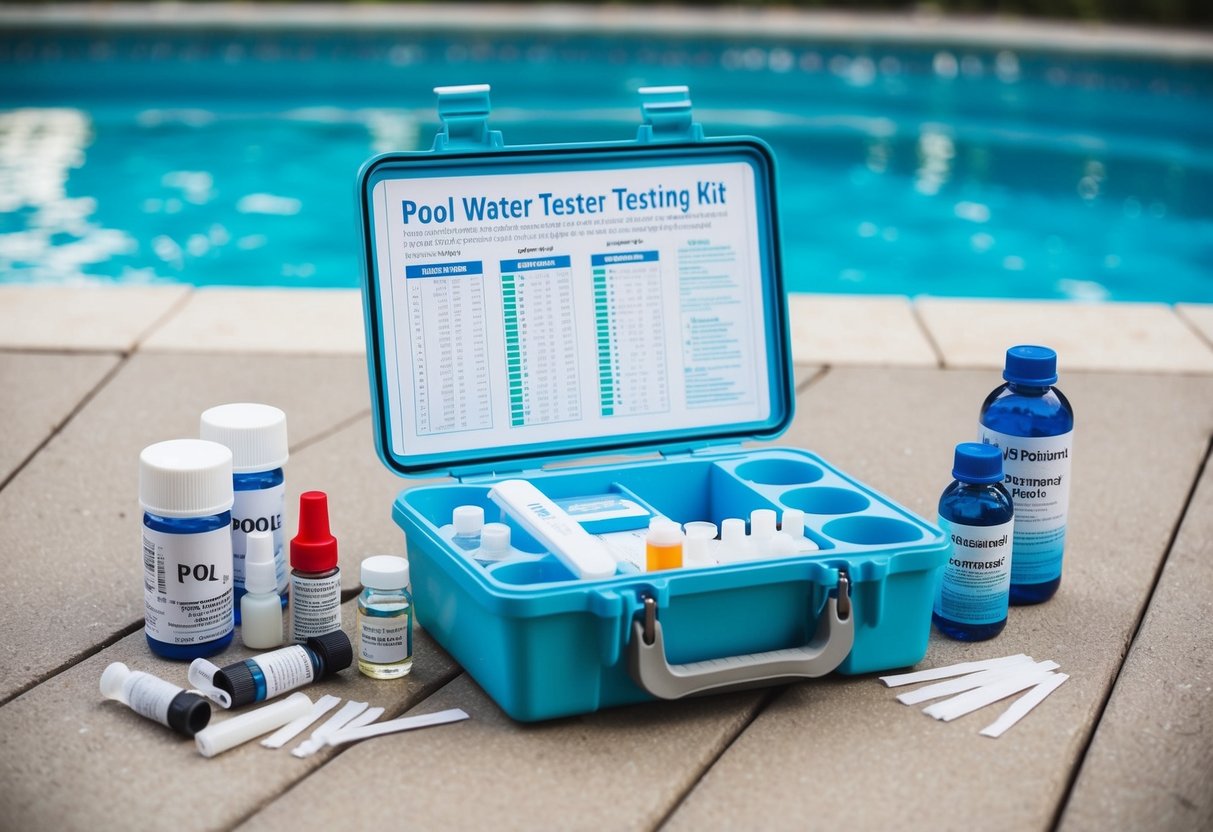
{"points": [[885, 387]]}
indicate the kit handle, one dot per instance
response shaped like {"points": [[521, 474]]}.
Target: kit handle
{"points": [[830, 645]]}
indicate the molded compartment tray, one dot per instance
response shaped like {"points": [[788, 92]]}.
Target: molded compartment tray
{"points": [[544, 644]]}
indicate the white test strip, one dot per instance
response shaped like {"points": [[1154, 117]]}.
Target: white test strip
{"points": [[334, 723], [392, 726], [1020, 707], [973, 680], [365, 718], [951, 670], [293, 729], [966, 703]]}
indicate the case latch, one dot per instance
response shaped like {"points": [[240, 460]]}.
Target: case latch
{"points": [[465, 112], [667, 116]]}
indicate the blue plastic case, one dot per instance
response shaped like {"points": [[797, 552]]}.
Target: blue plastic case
{"points": [[539, 330]]}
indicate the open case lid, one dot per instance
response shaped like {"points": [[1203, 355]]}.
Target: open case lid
{"points": [[531, 303]]}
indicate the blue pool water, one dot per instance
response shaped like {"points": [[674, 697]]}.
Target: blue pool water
{"points": [[221, 158]]}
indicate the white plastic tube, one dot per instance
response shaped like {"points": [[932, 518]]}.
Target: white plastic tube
{"points": [[216, 739]]}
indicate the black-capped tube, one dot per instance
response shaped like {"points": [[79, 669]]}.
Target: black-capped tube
{"points": [[152, 697], [270, 674]]}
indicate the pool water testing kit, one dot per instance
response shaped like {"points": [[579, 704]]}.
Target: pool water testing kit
{"points": [[530, 307]]}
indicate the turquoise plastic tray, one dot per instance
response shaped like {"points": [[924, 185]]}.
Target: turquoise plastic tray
{"points": [[543, 644]]}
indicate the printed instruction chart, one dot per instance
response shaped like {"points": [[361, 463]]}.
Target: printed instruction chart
{"points": [[545, 306]]}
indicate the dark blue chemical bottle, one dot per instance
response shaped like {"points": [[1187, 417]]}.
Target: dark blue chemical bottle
{"points": [[976, 514], [1033, 424], [256, 435], [185, 490]]}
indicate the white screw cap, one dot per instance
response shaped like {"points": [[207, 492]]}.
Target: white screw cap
{"points": [[762, 522], [468, 520], [385, 572], [185, 478], [495, 537], [256, 434], [259, 569]]}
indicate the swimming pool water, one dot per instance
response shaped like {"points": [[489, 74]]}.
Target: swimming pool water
{"points": [[220, 158]]}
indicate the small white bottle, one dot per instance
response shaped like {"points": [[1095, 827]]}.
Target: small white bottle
{"points": [[468, 521], [260, 606], [494, 544]]}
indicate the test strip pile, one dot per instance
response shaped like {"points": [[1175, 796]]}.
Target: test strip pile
{"points": [[974, 685]]}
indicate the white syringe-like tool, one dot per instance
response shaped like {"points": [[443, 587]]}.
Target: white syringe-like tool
{"points": [[554, 529]]}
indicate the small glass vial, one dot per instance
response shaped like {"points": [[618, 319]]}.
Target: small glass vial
{"points": [[977, 516], [663, 545], [494, 544], [185, 490], [468, 522], [256, 435], [385, 618]]}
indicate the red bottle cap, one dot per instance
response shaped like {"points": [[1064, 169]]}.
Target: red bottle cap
{"points": [[313, 549]]}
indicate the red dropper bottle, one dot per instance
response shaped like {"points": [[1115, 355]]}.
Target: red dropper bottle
{"points": [[315, 577]]}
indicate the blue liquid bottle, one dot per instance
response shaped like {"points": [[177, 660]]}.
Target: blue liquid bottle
{"points": [[976, 514], [256, 435], [185, 490], [1033, 424]]}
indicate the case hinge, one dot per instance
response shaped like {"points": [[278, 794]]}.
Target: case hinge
{"points": [[465, 112], [667, 116]]}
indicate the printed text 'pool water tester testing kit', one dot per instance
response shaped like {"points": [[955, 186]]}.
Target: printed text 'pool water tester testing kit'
{"points": [[616, 301]]}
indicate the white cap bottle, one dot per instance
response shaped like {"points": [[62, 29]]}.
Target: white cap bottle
{"points": [[256, 435], [260, 606]]}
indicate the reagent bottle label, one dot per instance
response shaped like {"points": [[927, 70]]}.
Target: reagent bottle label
{"points": [[977, 576], [1037, 473]]}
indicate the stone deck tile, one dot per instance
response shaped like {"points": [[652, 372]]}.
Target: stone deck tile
{"points": [[1141, 337], [846, 329], [295, 321], [843, 751], [110, 318], [618, 769], [70, 760], [1150, 763], [70, 519], [1199, 316], [40, 392]]}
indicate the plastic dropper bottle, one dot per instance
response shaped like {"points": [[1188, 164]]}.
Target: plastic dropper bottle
{"points": [[256, 435], [185, 490], [1033, 424], [274, 673], [260, 607], [976, 514], [315, 578]]}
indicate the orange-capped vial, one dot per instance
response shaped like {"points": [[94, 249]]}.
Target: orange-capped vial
{"points": [[663, 545]]}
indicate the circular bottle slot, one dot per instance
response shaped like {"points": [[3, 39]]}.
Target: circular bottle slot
{"points": [[825, 500], [521, 573], [872, 531], [779, 472]]}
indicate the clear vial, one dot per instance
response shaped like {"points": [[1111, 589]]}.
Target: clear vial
{"points": [[385, 618], [468, 522]]}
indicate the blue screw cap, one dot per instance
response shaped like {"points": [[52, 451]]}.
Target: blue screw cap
{"points": [[1030, 365], [977, 463]]}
